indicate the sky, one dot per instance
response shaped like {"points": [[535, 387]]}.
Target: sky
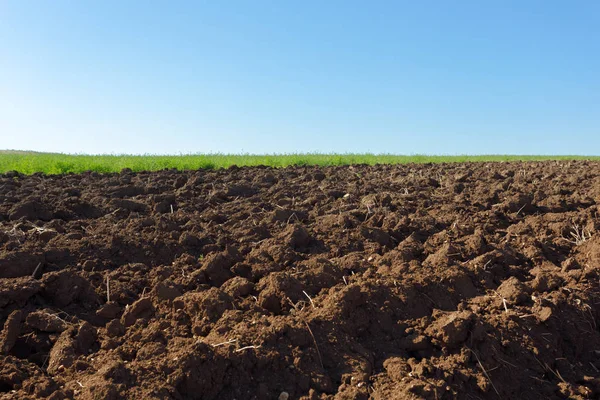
{"points": [[278, 76]]}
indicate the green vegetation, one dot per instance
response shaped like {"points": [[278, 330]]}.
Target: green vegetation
{"points": [[54, 163]]}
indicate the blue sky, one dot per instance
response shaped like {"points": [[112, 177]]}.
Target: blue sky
{"points": [[405, 77]]}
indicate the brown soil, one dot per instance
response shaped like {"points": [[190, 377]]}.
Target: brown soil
{"points": [[390, 282]]}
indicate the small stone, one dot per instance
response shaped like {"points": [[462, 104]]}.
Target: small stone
{"points": [[284, 396], [545, 314]]}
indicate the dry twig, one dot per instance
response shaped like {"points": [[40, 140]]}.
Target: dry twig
{"points": [[36, 270], [246, 348], [316, 346], [230, 341], [107, 289], [580, 235], [484, 371], [311, 302]]}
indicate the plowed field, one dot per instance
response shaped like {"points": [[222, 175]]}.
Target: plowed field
{"points": [[469, 281]]}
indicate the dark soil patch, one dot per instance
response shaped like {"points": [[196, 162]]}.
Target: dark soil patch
{"points": [[469, 281]]}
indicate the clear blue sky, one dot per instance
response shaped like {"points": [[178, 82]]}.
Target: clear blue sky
{"points": [[405, 77]]}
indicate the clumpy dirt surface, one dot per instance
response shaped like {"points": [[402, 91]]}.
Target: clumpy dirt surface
{"points": [[468, 281]]}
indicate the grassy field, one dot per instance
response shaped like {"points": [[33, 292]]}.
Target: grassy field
{"points": [[53, 163]]}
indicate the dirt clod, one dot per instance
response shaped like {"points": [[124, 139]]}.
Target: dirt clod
{"points": [[10, 332], [136, 310], [166, 290], [297, 237], [45, 321], [109, 310], [514, 291], [452, 329]]}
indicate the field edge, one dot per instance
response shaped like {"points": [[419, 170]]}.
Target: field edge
{"points": [[57, 163]]}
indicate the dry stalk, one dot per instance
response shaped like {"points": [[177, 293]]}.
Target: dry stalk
{"points": [[506, 362], [107, 289], [57, 317], [292, 216], [311, 302], [526, 315], [230, 341], [503, 301], [547, 368], [36, 270], [580, 235], [299, 306], [430, 299], [556, 373], [316, 345], [246, 348], [538, 379], [521, 209], [45, 361], [484, 371]]}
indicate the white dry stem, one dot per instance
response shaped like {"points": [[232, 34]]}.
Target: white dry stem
{"points": [[521, 209], [57, 317], [35, 271], [230, 341], [579, 234], [246, 348], [311, 302], [484, 371], [503, 301], [292, 216], [299, 306], [316, 346]]}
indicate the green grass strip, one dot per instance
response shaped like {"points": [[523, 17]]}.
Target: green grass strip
{"points": [[54, 163]]}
